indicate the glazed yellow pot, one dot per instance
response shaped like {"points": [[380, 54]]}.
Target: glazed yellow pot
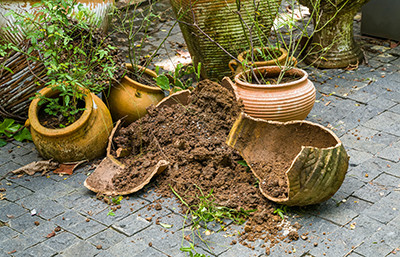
{"points": [[85, 139], [280, 59], [129, 99]]}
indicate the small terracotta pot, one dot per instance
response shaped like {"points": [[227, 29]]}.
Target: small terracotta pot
{"points": [[280, 102], [85, 139], [129, 99], [316, 159], [279, 60]]}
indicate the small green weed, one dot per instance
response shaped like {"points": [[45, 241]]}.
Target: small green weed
{"points": [[175, 81], [206, 211], [10, 130], [244, 164], [281, 211]]}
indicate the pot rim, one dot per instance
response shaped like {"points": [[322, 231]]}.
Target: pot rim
{"points": [[34, 110], [282, 56], [131, 81], [276, 69]]}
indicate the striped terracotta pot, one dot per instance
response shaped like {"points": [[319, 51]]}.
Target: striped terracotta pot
{"points": [[101, 8], [280, 102], [218, 19]]}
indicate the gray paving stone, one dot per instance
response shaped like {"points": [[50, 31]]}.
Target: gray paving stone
{"points": [[6, 233], [351, 185], [388, 181], [37, 250], [48, 209], [7, 167], [11, 211], [384, 122], [238, 250], [14, 194], [382, 102], [86, 229], [35, 183], [176, 221], [41, 231], [74, 198], [373, 248], [107, 238], [127, 207], [90, 206], [78, 248], [25, 222], [367, 140], [131, 224], [385, 209], [74, 181], [56, 190], [19, 243], [372, 192], [131, 248], [68, 219], [61, 241], [357, 157], [366, 171], [395, 109], [391, 152]]}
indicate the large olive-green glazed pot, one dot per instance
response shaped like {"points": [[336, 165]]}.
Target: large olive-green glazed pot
{"points": [[315, 158], [334, 31], [219, 21], [85, 139]]}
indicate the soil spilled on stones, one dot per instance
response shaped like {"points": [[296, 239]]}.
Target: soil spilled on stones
{"points": [[192, 138]]}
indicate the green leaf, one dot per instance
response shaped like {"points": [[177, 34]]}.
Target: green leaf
{"points": [[2, 142], [185, 249], [166, 225], [23, 135], [163, 82], [111, 213], [6, 124], [243, 163]]}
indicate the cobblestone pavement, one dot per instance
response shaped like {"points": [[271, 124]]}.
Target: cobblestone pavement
{"points": [[361, 219]]}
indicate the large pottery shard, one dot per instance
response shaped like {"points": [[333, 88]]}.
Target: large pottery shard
{"points": [[297, 163]]}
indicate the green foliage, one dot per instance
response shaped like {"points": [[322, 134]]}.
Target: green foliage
{"points": [[206, 211], [177, 80], [9, 129], [117, 200], [76, 57], [110, 213], [281, 211]]}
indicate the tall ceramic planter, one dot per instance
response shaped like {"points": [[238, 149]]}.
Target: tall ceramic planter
{"points": [[101, 9], [219, 20], [86, 138], [279, 102], [335, 32], [129, 99]]}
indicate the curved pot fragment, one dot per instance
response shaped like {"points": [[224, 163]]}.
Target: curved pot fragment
{"points": [[312, 159]]}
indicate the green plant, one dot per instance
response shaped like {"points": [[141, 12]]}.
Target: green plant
{"points": [[76, 56], [10, 130], [177, 80], [206, 211], [281, 211]]}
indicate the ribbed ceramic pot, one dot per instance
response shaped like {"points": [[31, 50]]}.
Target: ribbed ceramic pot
{"points": [[334, 32], [129, 99], [101, 8], [280, 102], [278, 59], [219, 20], [85, 139], [316, 159]]}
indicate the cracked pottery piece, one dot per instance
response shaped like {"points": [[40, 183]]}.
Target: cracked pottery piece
{"points": [[316, 159]]}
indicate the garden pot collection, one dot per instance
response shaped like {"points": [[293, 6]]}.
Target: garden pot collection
{"points": [[220, 22], [129, 99], [279, 59], [280, 102], [334, 32], [85, 139], [316, 159], [101, 8]]}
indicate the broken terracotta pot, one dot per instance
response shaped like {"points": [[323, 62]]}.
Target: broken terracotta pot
{"points": [[101, 180], [308, 162]]}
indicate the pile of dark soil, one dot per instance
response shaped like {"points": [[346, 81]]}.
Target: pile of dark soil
{"points": [[192, 138]]}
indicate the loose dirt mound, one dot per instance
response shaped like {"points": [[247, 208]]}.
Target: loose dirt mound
{"points": [[192, 138]]}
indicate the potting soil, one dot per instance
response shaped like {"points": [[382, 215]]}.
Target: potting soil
{"points": [[192, 138]]}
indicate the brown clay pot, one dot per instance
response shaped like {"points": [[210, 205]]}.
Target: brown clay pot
{"points": [[129, 99], [219, 20], [280, 102], [85, 139], [101, 9], [316, 159], [279, 60]]}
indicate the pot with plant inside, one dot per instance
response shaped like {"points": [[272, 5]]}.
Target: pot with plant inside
{"points": [[275, 93], [67, 120]]}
